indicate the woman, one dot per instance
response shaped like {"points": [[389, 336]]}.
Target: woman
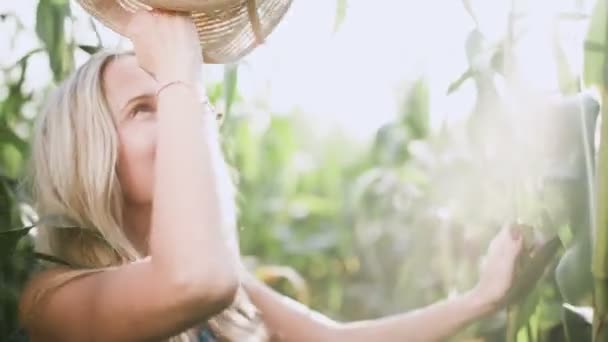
{"points": [[127, 151]]}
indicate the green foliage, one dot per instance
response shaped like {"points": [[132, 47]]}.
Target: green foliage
{"points": [[576, 324], [230, 83], [596, 73], [50, 27], [574, 281], [595, 46], [533, 269], [359, 231], [341, 8], [16, 249]]}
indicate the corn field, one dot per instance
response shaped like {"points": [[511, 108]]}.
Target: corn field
{"points": [[359, 230]]}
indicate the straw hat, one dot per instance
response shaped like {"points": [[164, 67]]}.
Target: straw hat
{"points": [[227, 29]]}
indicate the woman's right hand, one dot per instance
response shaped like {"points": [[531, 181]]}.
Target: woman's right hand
{"points": [[499, 267], [166, 45]]}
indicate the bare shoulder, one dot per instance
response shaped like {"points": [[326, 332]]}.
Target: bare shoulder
{"points": [[130, 302], [34, 288]]}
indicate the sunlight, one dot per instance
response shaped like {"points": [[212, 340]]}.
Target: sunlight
{"points": [[366, 63], [370, 162]]}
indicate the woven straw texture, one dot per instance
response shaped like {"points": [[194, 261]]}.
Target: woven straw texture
{"points": [[227, 29]]}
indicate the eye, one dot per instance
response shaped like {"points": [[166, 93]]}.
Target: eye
{"points": [[141, 108]]}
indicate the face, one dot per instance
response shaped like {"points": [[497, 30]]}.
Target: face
{"points": [[130, 95]]}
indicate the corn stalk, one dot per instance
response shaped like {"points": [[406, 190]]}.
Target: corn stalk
{"points": [[599, 266], [600, 251]]}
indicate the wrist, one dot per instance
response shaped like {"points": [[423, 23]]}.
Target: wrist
{"points": [[198, 91], [479, 304], [247, 278], [179, 72], [192, 77]]}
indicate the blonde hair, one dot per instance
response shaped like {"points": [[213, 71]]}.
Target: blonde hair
{"points": [[72, 179]]}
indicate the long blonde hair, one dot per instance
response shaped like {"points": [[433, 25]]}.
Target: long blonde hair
{"points": [[72, 179]]}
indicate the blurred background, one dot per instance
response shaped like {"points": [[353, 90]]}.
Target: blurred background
{"points": [[379, 146]]}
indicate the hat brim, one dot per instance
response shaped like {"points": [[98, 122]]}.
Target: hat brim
{"points": [[226, 34]]}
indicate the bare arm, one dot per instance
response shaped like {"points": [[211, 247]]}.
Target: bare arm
{"points": [[294, 322], [432, 323], [190, 274]]}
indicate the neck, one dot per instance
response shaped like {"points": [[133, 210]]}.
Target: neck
{"points": [[137, 220]]}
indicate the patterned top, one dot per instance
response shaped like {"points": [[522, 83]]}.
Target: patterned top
{"points": [[204, 335]]}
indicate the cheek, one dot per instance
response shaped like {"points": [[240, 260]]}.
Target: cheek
{"points": [[136, 160]]}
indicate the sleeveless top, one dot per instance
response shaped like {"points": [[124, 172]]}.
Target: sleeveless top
{"points": [[204, 335]]}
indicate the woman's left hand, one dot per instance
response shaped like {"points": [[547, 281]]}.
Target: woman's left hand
{"points": [[499, 267]]}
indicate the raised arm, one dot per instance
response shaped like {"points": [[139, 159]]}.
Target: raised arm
{"points": [[294, 322], [190, 274]]}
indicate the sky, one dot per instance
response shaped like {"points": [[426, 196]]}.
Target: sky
{"points": [[351, 79]]}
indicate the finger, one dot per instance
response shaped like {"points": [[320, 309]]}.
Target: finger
{"points": [[515, 247], [495, 247], [503, 233], [535, 246], [166, 18], [504, 240], [518, 245], [515, 231], [503, 236], [160, 11], [138, 23]]}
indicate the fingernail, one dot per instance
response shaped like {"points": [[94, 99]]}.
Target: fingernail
{"points": [[515, 232]]}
